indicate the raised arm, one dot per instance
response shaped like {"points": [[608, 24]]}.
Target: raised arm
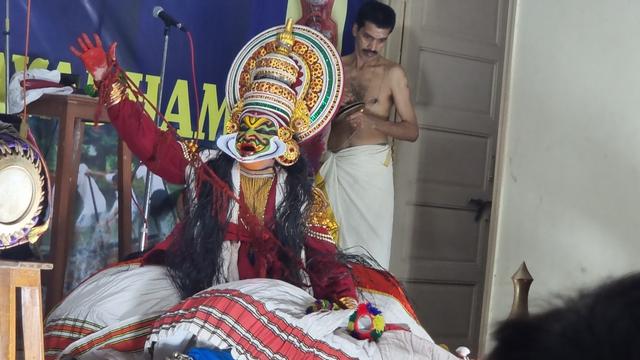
{"points": [[157, 149]]}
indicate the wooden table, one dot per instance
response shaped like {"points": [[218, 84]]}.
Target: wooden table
{"points": [[72, 110], [26, 277]]}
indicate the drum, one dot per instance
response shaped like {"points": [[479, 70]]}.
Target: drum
{"points": [[24, 191]]}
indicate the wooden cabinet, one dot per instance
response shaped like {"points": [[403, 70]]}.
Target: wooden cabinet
{"points": [[72, 110]]}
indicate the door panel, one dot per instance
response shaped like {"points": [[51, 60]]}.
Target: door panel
{"points": [[462, 19], [454, 81], [465, 159], [453, 53], [447, 229], [456, 317]]}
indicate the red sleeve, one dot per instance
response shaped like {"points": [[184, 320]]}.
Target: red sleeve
{"points": [[330, 278], [157, 149]]}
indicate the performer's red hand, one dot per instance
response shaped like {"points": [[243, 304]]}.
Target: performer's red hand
{"points": [[93, 56]]}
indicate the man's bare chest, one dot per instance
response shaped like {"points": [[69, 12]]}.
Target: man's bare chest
{"points": [[368, 86]]}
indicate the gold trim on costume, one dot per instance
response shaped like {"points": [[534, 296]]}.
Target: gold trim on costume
{"points": [[349, 302], [286, 38], [300, 118], [185, 149], [255, 190], [291, 153], [277, 64], [321, 214], [275, 89], [117, 92], [284, 133]]}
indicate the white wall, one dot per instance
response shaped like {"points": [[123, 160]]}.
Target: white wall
{"points": [[570, 173]]}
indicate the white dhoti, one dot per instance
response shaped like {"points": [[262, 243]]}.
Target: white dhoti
{"points": [[359, 183]]}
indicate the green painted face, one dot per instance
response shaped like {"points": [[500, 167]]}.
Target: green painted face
{"points": [[254, 135]]}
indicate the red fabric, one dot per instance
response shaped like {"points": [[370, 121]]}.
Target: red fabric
{"points": [[162, 154], [313, 149], [31, 84], [318, 17], [383, 282], [330, 279], [132, 338], [64, 332], [262, 246], [156, 256], [157, 149], [248, 325]]}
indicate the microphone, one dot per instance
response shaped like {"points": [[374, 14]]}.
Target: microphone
{"points": [[161, 14]]}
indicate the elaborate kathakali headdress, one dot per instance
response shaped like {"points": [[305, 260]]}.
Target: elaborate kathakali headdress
{"points": [[283, 88]]}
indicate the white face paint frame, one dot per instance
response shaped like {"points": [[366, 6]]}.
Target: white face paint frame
{"points": [[227, 144]]}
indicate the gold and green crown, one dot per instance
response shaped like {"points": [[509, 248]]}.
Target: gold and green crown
{"points": [[291, 72]]}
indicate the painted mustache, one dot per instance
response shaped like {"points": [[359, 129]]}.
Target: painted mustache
{"points": [[251, 144]]}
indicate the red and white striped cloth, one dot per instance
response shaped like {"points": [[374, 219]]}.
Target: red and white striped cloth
{"points": [[133, 312]]}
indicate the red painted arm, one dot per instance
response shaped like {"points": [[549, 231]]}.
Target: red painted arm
{"points": [[158, 150]]}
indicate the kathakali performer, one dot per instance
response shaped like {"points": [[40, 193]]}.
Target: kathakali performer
{"points": [[252, 271]]}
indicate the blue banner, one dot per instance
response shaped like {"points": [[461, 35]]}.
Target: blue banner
{"points": [[220, 28]]}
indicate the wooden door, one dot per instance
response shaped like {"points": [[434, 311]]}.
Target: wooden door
{"points": [[453, 53]]}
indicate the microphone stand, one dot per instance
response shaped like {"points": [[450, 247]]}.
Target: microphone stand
{"points": [[7, 60], [148, 179]]}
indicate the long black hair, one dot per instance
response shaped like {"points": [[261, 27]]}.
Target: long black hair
{"points": [[194, 260]]}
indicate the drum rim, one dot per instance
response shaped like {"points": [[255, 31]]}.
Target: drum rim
{"points": [[15, 232]]}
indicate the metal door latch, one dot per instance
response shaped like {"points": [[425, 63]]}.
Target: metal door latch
{"points": [[481, 205]]}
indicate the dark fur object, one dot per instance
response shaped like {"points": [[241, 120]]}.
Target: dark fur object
{"points": [[600, 324]]}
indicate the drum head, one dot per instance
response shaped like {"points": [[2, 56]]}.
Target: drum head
{"points": [[23, 187]]}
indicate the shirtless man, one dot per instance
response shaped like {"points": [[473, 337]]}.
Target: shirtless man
{"points": [[358, 172]]}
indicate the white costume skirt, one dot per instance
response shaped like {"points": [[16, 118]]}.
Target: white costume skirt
{"points": [[133, 312]]}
